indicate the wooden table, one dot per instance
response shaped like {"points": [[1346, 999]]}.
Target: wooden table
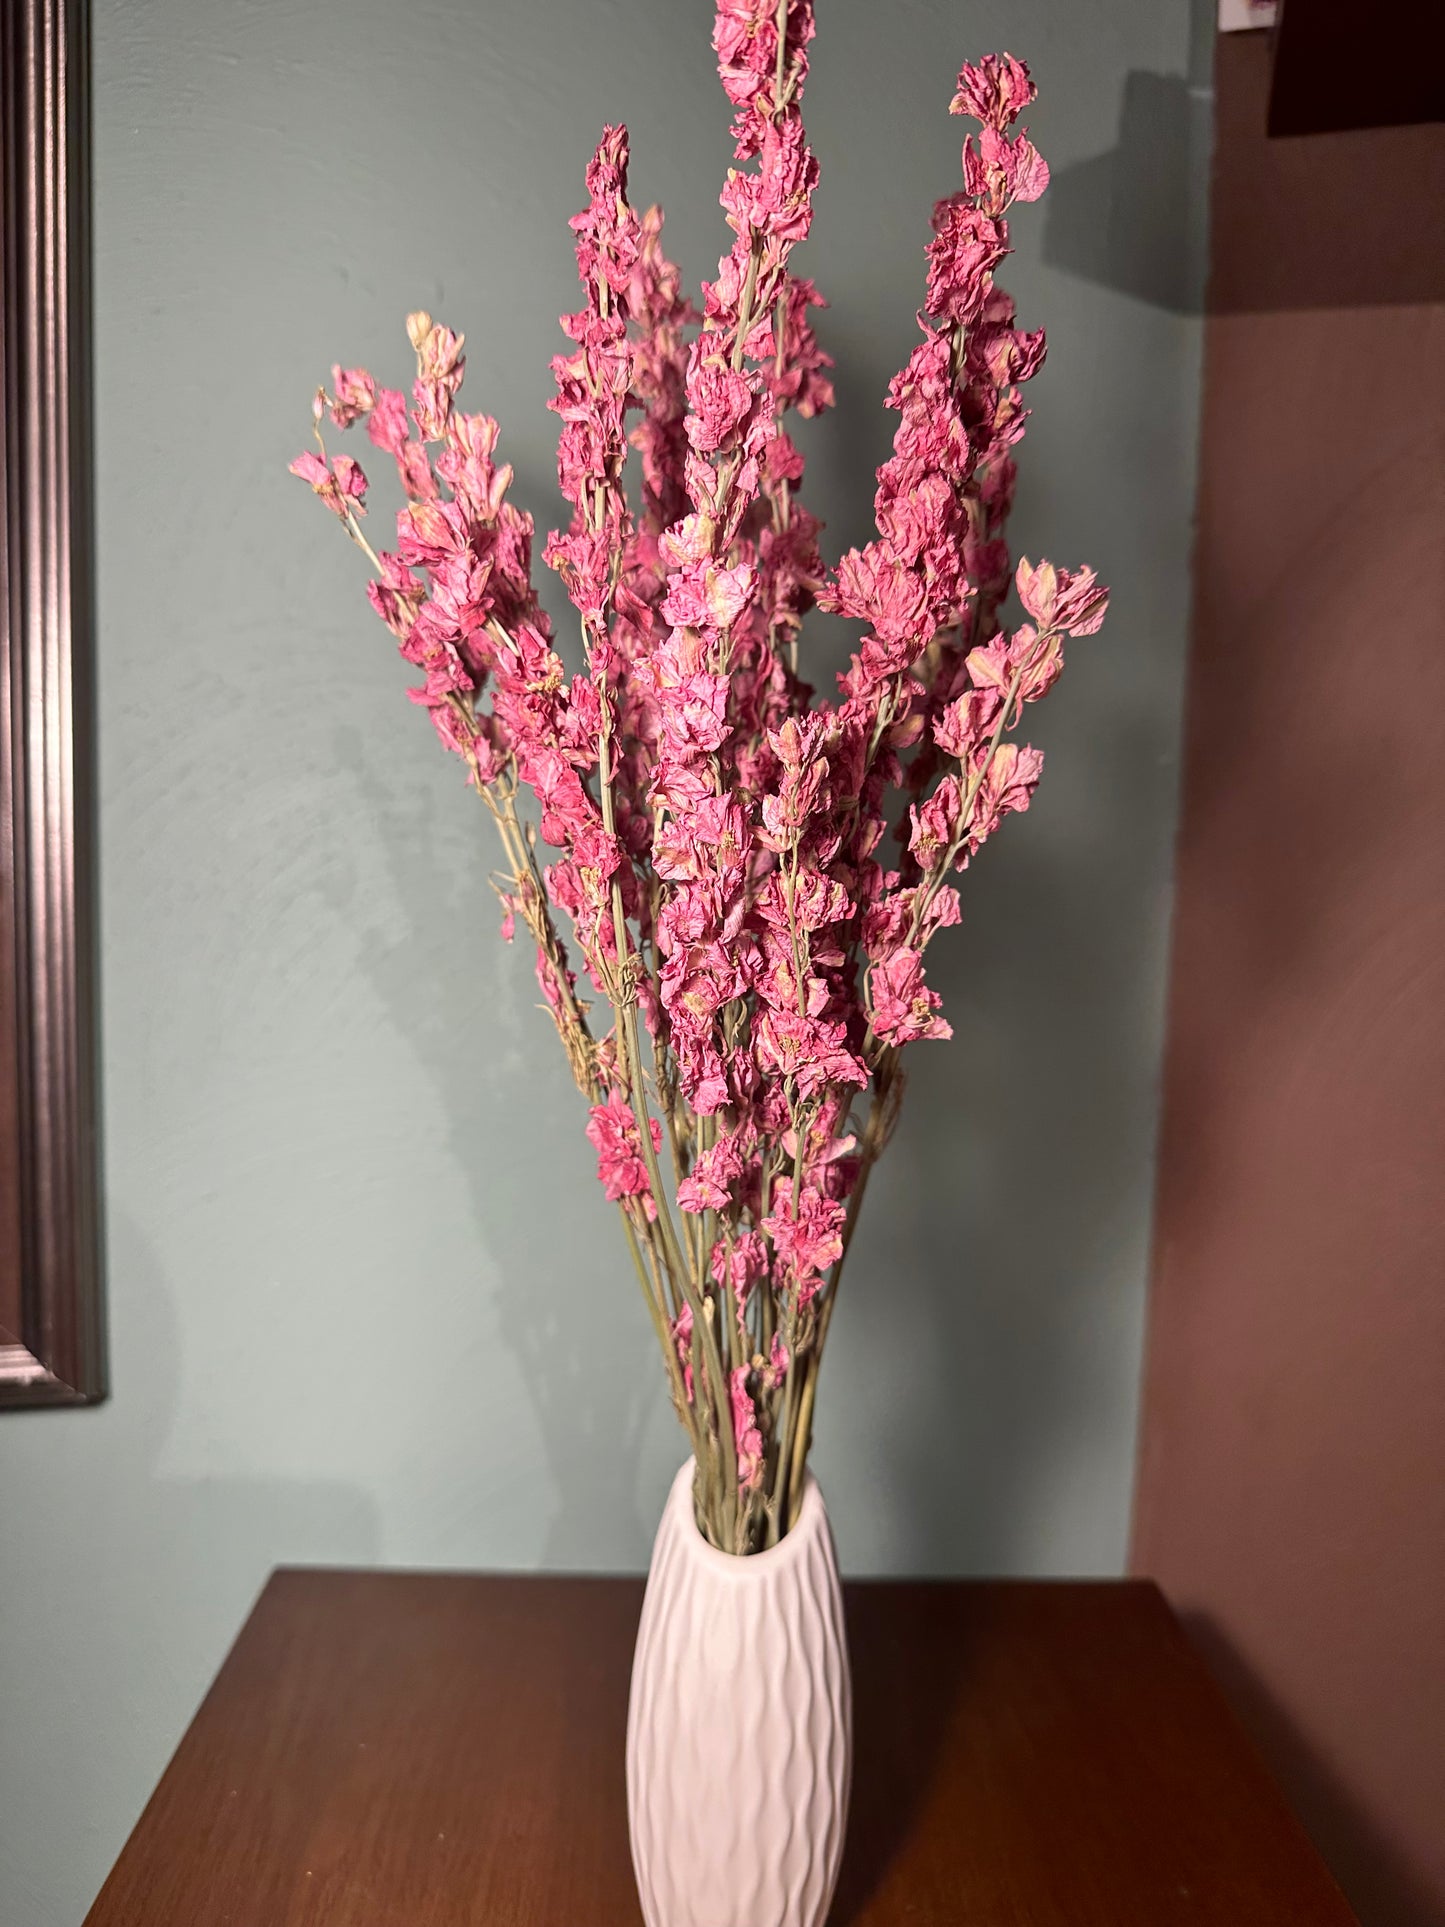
{"points": [[418, 1750]]}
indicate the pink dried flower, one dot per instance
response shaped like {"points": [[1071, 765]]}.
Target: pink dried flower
{"points": [[809, 1240], [1056, 599], [1000, 169], [388, 426], [621, 1171], [341, 486], [995, 91], [742, 875], [355, 395], [747, 1433], [904, 1008]]}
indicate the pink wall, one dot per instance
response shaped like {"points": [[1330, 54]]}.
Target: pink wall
{"points": [[1292, 1479]]}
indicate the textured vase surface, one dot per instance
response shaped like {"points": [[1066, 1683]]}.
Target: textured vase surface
{"points": [[740, 1726]]}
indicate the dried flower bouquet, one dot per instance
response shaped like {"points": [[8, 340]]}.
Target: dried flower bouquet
{"points": [[748, 874]]}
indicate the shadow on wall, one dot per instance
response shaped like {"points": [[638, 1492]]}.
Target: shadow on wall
{"points": [[1135, 218], [1363, 1859], [581, 1353], [243, 1527], [1126, 219], [127, 1553], [993, 1234]]}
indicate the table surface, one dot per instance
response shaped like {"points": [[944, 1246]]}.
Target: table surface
{"points": [[423, 1750]]}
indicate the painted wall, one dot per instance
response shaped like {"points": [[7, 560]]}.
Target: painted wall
{"points": [[366, 1302], [1291, 1499]]}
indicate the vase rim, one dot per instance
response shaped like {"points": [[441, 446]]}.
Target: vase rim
{"points": [[812, 1517]]}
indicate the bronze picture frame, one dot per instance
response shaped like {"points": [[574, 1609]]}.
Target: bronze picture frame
{"points": [[52, 1348]]}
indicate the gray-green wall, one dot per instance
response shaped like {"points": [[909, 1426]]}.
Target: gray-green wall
{"points": [[366, 1302]]}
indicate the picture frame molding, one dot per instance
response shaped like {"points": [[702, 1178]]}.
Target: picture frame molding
{"points": [[52, 1332]]}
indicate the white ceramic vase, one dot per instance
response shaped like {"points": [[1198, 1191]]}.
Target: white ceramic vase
{"points": [[739, 1727]]}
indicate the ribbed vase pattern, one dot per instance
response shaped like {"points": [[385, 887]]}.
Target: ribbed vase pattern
{"points": [[740, 1727]]}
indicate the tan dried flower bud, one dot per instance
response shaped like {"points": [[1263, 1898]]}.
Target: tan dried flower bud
{"points": [[418, 327]]}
